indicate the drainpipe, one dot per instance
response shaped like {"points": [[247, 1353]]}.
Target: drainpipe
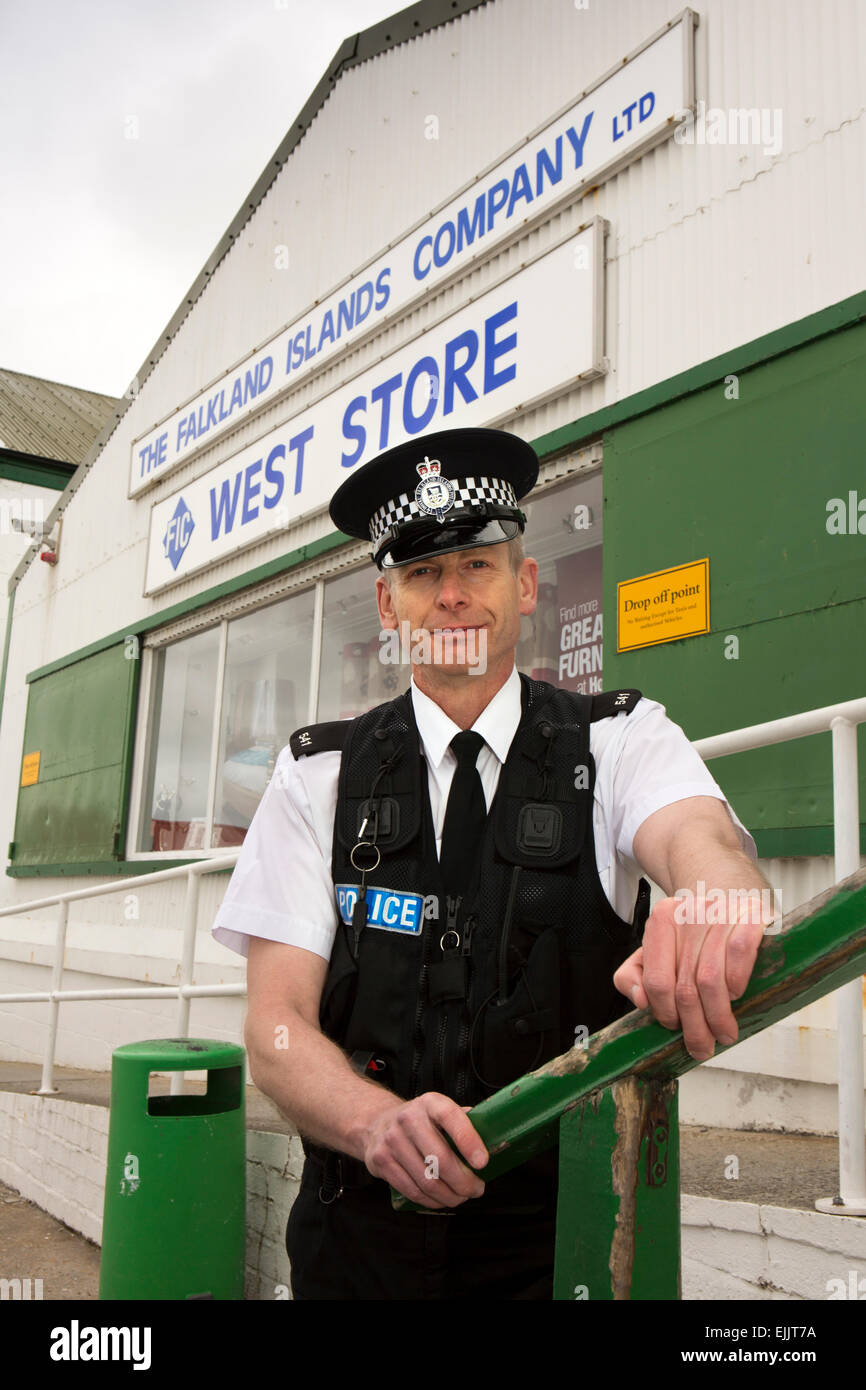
{"points": [[8, 638]]}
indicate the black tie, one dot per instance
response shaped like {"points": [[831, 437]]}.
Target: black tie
{"points": [[465, 815]]}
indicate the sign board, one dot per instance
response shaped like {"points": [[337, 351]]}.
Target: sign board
{"points": [[624, 114], [663, 607], [30, 769], [531, 336]]}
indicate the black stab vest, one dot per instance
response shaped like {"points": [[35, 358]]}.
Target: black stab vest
{"points": [[462, 997]]}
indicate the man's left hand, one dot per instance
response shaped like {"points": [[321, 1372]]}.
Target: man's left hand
{"points": [[688, 973]]}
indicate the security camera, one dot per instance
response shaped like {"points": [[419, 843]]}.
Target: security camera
{"points": [[34, 529]]}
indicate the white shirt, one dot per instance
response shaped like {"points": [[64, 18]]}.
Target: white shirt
{"points": [[281, 886]]}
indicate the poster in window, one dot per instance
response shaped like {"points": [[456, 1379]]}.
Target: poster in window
{"points": [[579, 621]]}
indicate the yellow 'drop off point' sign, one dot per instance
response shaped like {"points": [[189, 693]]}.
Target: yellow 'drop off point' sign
{"points": [[30, 769], [664, 606]]}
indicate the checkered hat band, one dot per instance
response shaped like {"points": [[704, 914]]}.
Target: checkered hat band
{"points": [[468, 494]]}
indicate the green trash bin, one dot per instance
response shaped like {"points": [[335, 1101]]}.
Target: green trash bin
{"points": [[175, 1184]]}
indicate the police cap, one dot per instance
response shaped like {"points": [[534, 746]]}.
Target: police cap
{"points": [[452, 490]]}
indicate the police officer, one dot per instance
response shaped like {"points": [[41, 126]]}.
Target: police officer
{"points": [[433, 897]]}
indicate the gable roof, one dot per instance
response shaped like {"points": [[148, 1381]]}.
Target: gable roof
{"points": [[49, 420]]}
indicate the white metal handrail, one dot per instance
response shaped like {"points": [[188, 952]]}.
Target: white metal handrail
{"points": [[840, 720], [183, 991]]}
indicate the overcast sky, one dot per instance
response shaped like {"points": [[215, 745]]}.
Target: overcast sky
{"points": [[100, 233]]}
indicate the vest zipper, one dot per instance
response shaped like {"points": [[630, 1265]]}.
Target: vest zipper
{"points": [[506, 933], [460, 1070], [441, 1042], [463, 1039], [429, 928], [452, 912]]}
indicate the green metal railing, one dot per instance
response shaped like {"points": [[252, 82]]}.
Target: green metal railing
{"points": [[613, 1104]]}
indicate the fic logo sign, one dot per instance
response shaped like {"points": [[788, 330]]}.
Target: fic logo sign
{"points": [[178, 533]]}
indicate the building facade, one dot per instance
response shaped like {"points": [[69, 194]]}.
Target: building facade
{"points": [[630, 234]]}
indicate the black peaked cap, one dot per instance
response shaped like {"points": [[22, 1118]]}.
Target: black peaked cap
{"points": [[461, 453]]}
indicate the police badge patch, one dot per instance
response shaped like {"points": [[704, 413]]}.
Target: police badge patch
{"points": [[434, 494]]}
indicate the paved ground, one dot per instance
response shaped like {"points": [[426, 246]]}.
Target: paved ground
{"points": [[35, 1246], [780, 1170], [788, 1170]]}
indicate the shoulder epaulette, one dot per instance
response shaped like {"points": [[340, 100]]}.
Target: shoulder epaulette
{"points": [[612, 701], [319, 738]]}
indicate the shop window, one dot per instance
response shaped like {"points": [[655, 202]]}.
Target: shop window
{"points": [[354, 676], [562, 641], [264, 696], [181, 737]]}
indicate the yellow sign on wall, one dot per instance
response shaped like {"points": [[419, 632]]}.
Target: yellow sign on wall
{"points": [[30, 769], [664, 606]]}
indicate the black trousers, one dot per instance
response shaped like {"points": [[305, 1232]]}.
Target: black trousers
{"points": [[498, 1246]]}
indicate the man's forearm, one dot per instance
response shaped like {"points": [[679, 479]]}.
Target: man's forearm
{"points": [[313, 1083], [704, 866]]}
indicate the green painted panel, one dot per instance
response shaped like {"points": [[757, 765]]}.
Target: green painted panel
{"points": [[746, 482], [80, 722]]}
